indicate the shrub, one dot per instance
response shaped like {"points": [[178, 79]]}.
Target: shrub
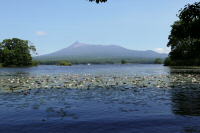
{"points": [[34, 63], [64, 63], [158, 61], [123, 62]]}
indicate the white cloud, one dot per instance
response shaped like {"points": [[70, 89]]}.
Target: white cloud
{"points": [[163, 50], [41, 33]]}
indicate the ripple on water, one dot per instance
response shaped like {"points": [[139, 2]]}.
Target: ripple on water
{"points": [[100, 102]]}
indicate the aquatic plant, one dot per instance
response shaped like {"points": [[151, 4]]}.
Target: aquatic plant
{"points": [[87, 82]]}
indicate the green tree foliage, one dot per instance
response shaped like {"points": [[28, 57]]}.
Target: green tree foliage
{"points": [[34, 63], [167, 61], [64, 63], [123, 61], [97, 1], [158, 61], [185, 34], [16, 52]]}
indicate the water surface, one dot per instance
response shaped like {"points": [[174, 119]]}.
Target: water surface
{"points": [[100, 98]]}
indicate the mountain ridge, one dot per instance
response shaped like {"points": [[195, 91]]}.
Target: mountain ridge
{"points": [[78, 49]]}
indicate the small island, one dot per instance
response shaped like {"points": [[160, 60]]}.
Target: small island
{"points": [[158, 61], [64, 63], [123, 61]]}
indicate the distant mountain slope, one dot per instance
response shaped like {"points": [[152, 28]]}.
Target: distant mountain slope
{"points": [[100, 51]]}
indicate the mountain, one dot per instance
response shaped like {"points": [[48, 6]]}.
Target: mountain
{"points": [[81, 50]]}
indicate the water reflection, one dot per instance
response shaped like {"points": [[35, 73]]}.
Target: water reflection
{"points": [[185, 94], [193, 129], [186, 101], [184, 70], [148, 101], [14, 74]]}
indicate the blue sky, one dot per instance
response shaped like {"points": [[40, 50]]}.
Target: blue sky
{"points": [[55, 24]]}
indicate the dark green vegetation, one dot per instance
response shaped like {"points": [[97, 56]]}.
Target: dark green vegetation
{"points": [[64, 63], [123, 61], [184, 39], [167, 61], [97, 1], [100, 61], [16, 52], [158, 61], [34, 63]]}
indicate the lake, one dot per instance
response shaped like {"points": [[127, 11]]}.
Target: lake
{"points": [[100, 98]]}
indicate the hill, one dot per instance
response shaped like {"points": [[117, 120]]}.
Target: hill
{"points": [[81, 51]]}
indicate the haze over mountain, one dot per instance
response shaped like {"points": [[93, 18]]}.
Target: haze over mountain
{"points": [[81, 50]]}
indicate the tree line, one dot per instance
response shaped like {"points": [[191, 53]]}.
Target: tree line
{"points": [[101, 61]]}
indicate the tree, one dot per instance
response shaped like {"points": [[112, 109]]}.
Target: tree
{"points": [[64, 63], [158, 61], [97, 1], [123, 62], [16, 52], [185, 38], [167, 62]]}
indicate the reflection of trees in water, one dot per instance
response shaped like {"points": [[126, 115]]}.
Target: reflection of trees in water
{"points": [[184, 70], [11, 71], [15, 74], [186, 101], [186, 91], [185, 97], [25, 74], [194, 129], [185, 94]]}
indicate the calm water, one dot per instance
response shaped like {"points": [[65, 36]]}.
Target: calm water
{"points": [[100, 98], [85, 69]]}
